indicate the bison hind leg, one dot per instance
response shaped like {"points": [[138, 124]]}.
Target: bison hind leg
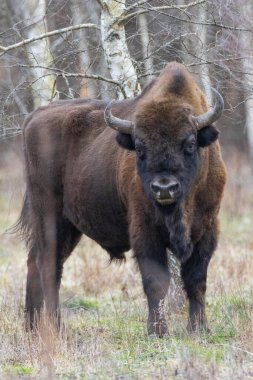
{"points": [[34, 294]]}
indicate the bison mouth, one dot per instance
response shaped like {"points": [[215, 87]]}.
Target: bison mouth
{"points": [[165, 201], [166, 206]]}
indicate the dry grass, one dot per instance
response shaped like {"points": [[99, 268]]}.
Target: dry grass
{"points": [[104, 310]]}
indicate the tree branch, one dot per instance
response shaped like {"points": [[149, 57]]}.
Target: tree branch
{"points": [[63, 73], [135, 5], [127, 15], [217, 61], [160, 10], [204, 62], [100, 3], [46, 35], [215, 24]]}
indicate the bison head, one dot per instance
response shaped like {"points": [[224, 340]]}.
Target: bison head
{"points": [[167, 138]]}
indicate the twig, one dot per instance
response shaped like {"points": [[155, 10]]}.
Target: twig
{"points": [[63, 73], [126, 17], [219, 60], [72, 75], [214, 62], [46, 35], [159, 9], [135, 5], [214, 24]]}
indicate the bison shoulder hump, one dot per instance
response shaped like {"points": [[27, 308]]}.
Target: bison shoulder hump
{"points": [[178, 82], [78, 120]]}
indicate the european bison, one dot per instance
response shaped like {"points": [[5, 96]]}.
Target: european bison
{"points": [[151, 181]]}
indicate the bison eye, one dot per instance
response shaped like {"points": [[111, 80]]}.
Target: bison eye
{"points": [[140, 150], [190, 145]]}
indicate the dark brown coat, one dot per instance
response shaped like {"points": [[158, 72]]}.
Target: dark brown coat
{"points": [[80, 181]]}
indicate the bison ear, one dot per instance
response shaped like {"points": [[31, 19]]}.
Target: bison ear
{"points": [[207, 136], [125, 141]]}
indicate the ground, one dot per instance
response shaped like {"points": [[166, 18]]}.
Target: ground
{"points": [[104, 309]]}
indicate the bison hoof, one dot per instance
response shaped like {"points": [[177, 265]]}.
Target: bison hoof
{"points": [[154, 336], [198, 329], [157, 330]]}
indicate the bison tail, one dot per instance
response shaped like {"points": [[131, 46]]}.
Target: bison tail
{"points": [[23, 225]]}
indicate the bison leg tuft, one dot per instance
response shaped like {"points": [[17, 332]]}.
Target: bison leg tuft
{"points": [[194, 275]]}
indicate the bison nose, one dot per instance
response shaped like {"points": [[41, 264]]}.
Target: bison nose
{"points": [[174, 189], [166, 189]]}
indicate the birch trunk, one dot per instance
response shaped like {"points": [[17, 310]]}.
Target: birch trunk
{"points": [[247, 66], [146, 48], [39, 54], [115, 48], [202, 54]]}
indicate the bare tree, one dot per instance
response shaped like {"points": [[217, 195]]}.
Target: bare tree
{"points": [[73, 48]]}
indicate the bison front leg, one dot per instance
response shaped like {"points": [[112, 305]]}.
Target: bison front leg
{"points": [[153, 265], [194, 275]]}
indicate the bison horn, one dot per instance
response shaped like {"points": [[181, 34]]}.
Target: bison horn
{"points": [[213, 114], [120, 125]]}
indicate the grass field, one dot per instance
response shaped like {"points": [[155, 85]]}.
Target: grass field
{"points": [[104, 309]]}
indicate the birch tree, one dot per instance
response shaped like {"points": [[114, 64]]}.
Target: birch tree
{"points": [[39, 55], [115, 48], [247, 66], [202, 52], [146, 45]]}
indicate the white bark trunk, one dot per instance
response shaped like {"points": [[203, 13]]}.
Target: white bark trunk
{"points": [[247, 66], [249, 119], [115, 48], [204, 71], [146, 48], [39, 54]]}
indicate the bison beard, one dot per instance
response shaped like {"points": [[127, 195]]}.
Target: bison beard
{"points": [[161, 191], [179, 243]]}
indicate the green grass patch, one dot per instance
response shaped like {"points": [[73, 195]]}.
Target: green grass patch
{"points": [[225, 314], [204, 351], [18, 369], [221, 335], [240, 306], [81, 303]]}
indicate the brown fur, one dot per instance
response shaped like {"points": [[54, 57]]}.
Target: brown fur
{"points": [[80, 181]]}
